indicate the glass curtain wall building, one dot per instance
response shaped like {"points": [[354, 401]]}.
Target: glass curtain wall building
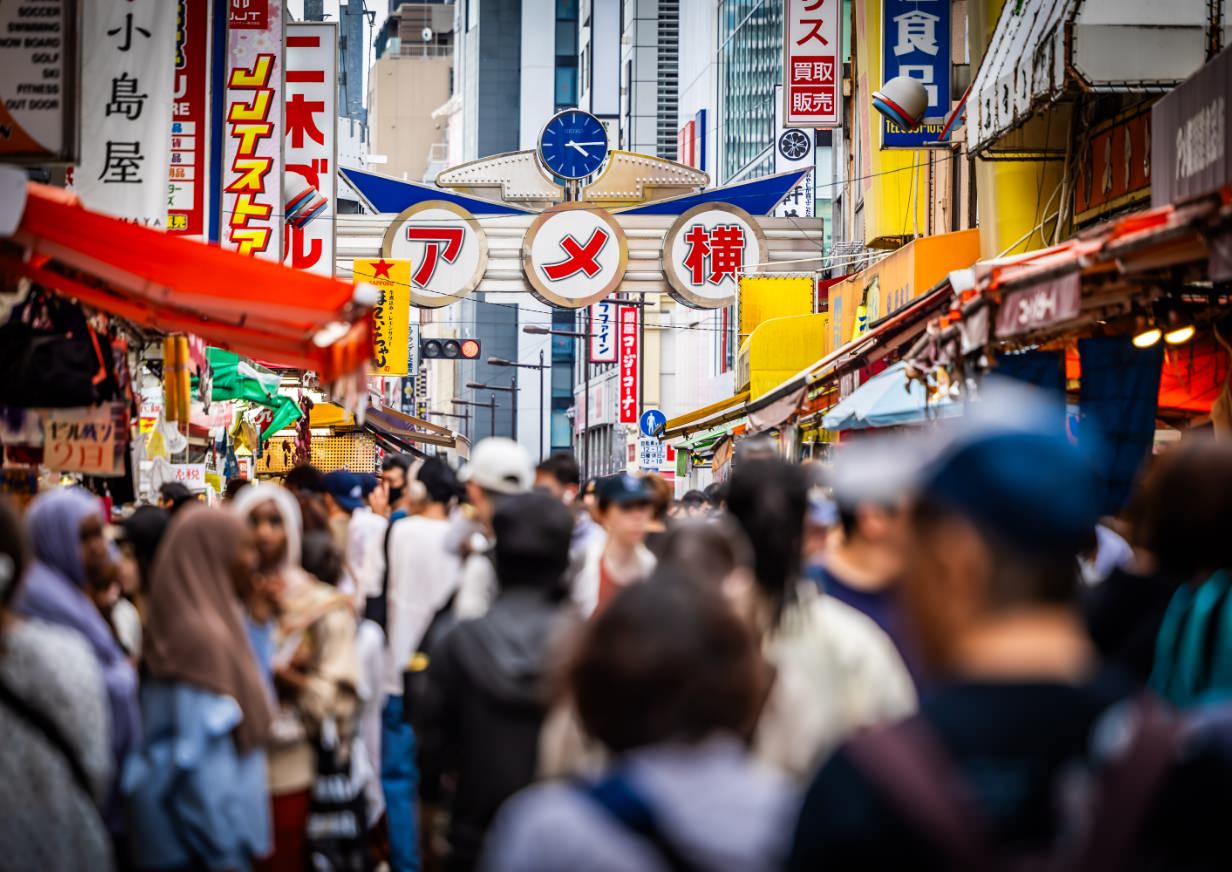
{"points": [[750, 64]]}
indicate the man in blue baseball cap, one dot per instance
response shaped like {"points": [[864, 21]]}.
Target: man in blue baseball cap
{"points": [[1011, 745]]}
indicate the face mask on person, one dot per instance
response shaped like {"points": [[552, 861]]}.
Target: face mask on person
{"points": [[395, 494]]}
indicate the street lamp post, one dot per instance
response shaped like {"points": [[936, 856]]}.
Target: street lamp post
{"points": [[584, 337], [490, 406], [512, 390], [500, 361], [465, 418]]}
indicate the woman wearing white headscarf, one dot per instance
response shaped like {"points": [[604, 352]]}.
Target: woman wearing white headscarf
{"points": [[314, 663]]}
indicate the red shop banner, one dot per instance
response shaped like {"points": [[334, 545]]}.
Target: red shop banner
{"points": [[811, 63], [628, 343], [187, 183]]}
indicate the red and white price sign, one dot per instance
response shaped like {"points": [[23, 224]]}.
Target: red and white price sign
{"points": [[812, 63], [629, 350]]}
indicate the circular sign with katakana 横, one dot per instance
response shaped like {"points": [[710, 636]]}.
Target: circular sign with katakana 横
{"points": [[447, 249], [707, 250], [574, 255]]}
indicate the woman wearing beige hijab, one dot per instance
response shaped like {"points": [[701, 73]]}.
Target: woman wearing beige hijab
{"points": [[314, 661], [196, 790]]}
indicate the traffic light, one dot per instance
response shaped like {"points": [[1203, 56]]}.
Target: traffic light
{"points": [[449, 349]]}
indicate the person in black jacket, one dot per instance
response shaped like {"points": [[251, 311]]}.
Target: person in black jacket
{"points": [[486, 693]]}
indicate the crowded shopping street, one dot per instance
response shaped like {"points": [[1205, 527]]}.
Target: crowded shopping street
{"points": [[615, 435]]}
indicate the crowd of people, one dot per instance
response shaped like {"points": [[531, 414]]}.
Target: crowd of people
{"points": [[933, 653]]}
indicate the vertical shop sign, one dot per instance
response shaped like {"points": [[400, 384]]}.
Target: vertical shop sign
{"points": [[812, 61], [38, 80], [252, 141], [629, 348], [793, 150], [128, 70], [188, 176], [603, 332], [391, 336], [310, 146], [915, 36]]}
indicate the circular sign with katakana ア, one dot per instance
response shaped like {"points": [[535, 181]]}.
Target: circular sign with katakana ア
{"points": [[574, 255], [447, 249], [706, 251], [795, 144]]}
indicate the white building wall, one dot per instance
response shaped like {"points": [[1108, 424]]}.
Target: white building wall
{"points": [[699, 71], [538, 88]]}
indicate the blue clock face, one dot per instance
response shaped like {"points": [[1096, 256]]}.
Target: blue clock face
{"points": [[573, 144]]}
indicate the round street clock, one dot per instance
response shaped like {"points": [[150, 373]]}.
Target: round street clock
{"points": [[573, 144], [794, 144]]}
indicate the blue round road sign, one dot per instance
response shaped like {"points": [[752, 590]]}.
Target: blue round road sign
{"points": [[651, 422]]}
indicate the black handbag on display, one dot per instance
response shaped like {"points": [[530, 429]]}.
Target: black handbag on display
{"points": [[59, 366]]}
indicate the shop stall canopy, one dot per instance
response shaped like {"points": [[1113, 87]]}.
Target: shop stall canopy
{"points": [[887, 400], [245, 304], [402, 428]]}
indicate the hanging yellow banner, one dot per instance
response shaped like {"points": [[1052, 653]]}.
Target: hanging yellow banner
{"points": [[391, 339]]}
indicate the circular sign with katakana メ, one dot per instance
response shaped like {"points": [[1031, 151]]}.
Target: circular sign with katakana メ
{"points": [[574, 255], [706, 251], [447, 249]]}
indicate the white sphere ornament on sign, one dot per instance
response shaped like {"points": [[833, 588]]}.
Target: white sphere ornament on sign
{"points": [[447, 248], [574, 255], [707, 250]]}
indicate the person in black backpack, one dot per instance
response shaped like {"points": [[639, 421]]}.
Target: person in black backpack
{"points": [[486, 692], [1028, 753]]}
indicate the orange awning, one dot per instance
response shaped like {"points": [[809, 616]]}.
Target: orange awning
{"points": [[248, 305]]}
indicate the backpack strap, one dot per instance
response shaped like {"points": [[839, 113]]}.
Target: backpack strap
{"points": [[624, 805], [910, 769], [1128, 786], [49, 730]]}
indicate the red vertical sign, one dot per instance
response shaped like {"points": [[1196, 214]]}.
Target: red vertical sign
{"points": [[627, 339], [186, 185], [812, 59]]}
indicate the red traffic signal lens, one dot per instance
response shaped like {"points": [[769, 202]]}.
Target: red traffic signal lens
{"points": [[470, 349]]}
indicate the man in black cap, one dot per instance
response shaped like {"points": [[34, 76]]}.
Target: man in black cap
{"points": [[487, 694]]}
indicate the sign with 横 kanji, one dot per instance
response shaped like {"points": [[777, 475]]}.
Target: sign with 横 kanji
{"points": [[706, 251], [89, 440], [812, 63], [252, 130], [188, 172], [628, 346], [447, 246], [915, 37], [310, 143], [391, 333], [38, 74], [574, 255], [127, 75], [603, 332]]}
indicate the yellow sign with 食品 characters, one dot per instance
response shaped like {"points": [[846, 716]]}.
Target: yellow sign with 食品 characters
{"points": [[391, 337]]}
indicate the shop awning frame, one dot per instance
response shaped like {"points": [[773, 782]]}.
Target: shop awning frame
{"points": [[706, 417], [171, 284]]}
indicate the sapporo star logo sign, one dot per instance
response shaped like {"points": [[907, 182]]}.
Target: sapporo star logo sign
{"points": [[380, 269]]}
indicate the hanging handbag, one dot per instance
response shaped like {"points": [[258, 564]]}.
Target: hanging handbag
{"points": [[51, 358], [337, 810]]}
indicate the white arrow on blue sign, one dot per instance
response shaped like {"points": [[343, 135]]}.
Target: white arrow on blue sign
{"points": [[651, 422]]}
